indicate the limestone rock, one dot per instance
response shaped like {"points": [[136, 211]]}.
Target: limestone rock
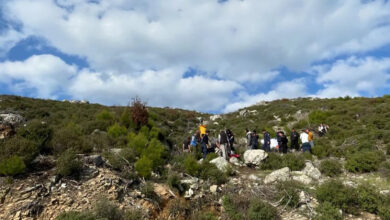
{"points": [[236, 161], [254, 157], [278, 176], [311, 171], [302, 179], [213, 189], [220, 163], [215, 117], [10, 118]]}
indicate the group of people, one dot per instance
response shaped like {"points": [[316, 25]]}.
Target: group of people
{"points": [[224, 143]]}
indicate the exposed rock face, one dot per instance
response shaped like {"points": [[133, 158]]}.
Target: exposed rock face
{"points": [[215, 117], [278, 176], [311, 171], [302, 178], [254, 157], [10, 118], [244, 112], [220, 163]]}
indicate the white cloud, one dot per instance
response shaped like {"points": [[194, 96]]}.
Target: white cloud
{"points": [[353, 76], [287, 89], [45, 75], [8, 39], [236, 39]]}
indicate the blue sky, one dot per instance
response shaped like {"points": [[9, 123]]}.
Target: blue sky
{"points": [[210, 56]]}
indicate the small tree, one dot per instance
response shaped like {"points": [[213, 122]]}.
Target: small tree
{"points": [[139, 113]]}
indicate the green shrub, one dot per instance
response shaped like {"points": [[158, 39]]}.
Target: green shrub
{"points": [[210, 172], [260, 210], [201, 215], [318, 117], [105, 115], [365, 161], [107, 210], [330, 167], [145, 131], [174, 182], [144, 167], [369, 199], [327, 211], [384, 169], [76, 216], [125, 118], [68, 137], [235, 207], [272, 162], [191, 165], [148, 191], [26, 149], [137, 142], [115, 160], [384, 212], [294, 161], [68, 164], [288, 193], [339, 195], [156, 152], [133, 214], [37, 131], [12, 166], [115, 131]]}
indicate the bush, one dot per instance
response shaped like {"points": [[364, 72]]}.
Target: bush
{"points": [[384, 212], [36, 131], [318, 117], [369, 199], [26, 149], [139, 113], [105, 115], [339, 196], [137, 142], [76, 216], [365, 161], [133, 214], [288, 193], [144, 167], [384, 170], [68, 164], [148, 191], [272, 162], [294, 161], [191, 165], [210, 172], [115, 131], [107, 210], [201, 215], [327, 211], [174, 182], [68, 137], [330, 168], [156, 153], [276, 161], [261, 210], [235, 207], [12, 166], [114, 160]]}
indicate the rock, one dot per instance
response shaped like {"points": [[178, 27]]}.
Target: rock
{"points": [[116, 150], [10, 118], [254, 157], [163, 192], [6, 130], [189, 193], [243, 112], [215, 117], [236, 161], [213, 189], [253, 177], [89, 172], [278, 176], [384, 192], [311, 171], [302, 179], [220, 163], [96, 160], [303, 199]]}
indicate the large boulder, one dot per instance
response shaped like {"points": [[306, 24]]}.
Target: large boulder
{"points": [[236, 161], [311, 171], [10, 118], [280, 175], [220, 163], [254, 157]]}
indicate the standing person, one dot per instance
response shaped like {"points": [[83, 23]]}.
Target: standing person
{"points": [[283, 141], [205, 144], [279, 139], [231, 139], [267, 141], [223, 144], [186, 145], [294, 140], [248, 138], [305, 141], [254, 140], [194, 140], [311, 138]]}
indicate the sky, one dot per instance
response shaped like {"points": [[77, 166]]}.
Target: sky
{"points": [[205, 55]]}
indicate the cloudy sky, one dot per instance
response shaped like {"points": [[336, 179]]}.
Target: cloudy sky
{"points": [[205, 55]]}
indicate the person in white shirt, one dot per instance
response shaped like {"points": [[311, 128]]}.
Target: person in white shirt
{"points": [[305, 141]]}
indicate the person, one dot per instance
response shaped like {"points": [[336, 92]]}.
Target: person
{"points": [[231, 139], [186, 145], [205, 144], [305, 141], [254, 140], [321, 130], [194, 140], [311, 138], [294, 140], [248, 138], [279, 139], [267, 141], [223, 143], [283, 143]]}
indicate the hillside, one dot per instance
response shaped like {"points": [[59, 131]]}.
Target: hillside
{"points": [[86, 161]]}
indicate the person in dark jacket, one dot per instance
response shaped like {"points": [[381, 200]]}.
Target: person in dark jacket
{"points": [[254, 140], [205, 144], [231, 139], [267, 141], [283, 143], [279, 139], [294, 139]]}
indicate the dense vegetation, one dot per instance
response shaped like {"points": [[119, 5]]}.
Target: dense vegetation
{"points": [[151, 138]]}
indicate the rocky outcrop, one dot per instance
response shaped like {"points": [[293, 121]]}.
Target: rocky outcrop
{"points": [[11, 118], [278, 176], [220, 163], [311, 171], [254, 157]]}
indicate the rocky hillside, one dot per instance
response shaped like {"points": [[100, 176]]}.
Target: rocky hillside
{"points": [[74, 160]]}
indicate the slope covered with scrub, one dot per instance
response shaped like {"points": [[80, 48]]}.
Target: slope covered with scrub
{"points": [[52, 159]]}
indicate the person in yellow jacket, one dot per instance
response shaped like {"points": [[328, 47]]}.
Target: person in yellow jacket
{"points": [[311, 138]]}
